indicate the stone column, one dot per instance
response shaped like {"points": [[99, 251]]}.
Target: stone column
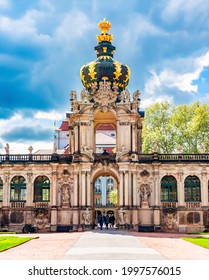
{"points": [[76, 138], [126, 189], [121, 201], [117, 135], [29, 190], [130, 189], [204, 189], [135, 191], [92, 146], [6, 189], [54, 187], [156, 188], [54, 199], [133, 137], [83, 190], [89, 189], [156, 197], [180, 189], [72, 142], [75, 189]]}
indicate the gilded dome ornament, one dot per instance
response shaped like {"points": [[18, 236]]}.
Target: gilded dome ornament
{"points": [[104, 66]]}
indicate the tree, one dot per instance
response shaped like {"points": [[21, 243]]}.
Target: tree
{"points": [[168, 127], [113, 196], [157, 133]]}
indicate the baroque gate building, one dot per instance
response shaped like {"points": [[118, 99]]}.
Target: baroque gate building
{"points": [[56, 192]]}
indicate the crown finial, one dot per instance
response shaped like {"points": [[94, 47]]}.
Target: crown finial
{"points": [[104, 26]]}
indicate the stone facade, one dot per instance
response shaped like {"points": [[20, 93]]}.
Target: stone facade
{"points": [[155, 191]]}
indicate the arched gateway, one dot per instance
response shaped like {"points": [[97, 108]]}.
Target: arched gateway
{"points": [[68, 191]]}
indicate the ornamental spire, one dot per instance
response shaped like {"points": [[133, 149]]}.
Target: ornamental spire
{"points": [[104, 27]]}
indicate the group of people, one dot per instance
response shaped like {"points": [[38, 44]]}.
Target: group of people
{"points": [[108, 220]]}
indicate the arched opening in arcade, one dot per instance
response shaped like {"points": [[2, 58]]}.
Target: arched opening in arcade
{"points": [[105, 198], [105, 132]]}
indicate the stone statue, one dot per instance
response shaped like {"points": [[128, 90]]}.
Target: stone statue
{"points": [[122, 96], [71, 95], [74, 95], [82, 94], [75, 106], [202, 148], [7, 148], [30, 149], [127, 94], [145, 192], [155, 147], [179, 149], [87, 217], [65, 195], [122, 216], [136, 95], [54, 148]]}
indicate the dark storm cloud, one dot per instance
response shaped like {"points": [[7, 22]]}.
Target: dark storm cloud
{"points": [[21, 134]]}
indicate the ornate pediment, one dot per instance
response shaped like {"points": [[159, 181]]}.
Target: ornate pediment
{"points": [[105, 96]]}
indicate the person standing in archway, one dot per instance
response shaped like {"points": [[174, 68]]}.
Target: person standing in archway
{"points": [[107, 220], [101, 221]]}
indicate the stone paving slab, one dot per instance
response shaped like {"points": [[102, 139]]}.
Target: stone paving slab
{"points": [[111, 245], [56, 246]]}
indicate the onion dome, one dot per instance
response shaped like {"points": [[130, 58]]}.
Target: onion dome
{"points": [[105, 67]]}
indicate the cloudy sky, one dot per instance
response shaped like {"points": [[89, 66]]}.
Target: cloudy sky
{"points": [[43, 44]]}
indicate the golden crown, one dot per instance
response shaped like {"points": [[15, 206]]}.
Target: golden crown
{"points": [[104, 26]]}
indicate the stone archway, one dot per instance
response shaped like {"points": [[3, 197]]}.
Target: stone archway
{"points": [[104, 180]]}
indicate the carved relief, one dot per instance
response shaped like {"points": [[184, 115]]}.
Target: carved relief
{"points": [[65, 195], [122, 216], [87, 217], [16, 217], [104, 95], [41, 218], [123, 150], [144, 182], [87, 151], [145, 192], [65, 188], [169, 219]]}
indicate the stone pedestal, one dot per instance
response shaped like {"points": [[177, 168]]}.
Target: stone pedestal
{"points": [[75, 219], [145, 217], [53, 219], [156, 217], [65, 217]]}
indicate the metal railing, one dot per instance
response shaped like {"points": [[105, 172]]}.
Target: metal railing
{"points": [[68, 158], [193, 204], [17, 204]]}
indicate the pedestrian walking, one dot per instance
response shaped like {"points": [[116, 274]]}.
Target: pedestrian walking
{"points": [[101, 221], [107, 221], [112, 220]]}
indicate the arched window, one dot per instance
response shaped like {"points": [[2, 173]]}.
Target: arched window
{"points": [[192, 189], [18, 189], [1, 190], [41, 189], [110, 185], [98, 186], [168, 189]]}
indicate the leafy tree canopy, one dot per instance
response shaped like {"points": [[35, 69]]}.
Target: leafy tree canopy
{"points": [[176, 129]]}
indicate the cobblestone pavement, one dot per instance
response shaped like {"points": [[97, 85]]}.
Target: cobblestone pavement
{"points": [[111, 244]]}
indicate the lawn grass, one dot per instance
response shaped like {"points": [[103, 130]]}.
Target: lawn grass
{"points": [[201, 241], [7, 232], [7, 242]]}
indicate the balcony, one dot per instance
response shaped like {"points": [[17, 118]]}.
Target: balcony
{"points": [[35, 158], [41, 204], [168, 204], [17, 204], [193, 205]]}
